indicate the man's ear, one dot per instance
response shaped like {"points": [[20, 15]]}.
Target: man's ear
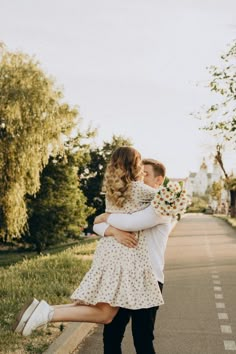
{"points": [[159, 180]]}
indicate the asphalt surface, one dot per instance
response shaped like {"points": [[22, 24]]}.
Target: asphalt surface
{"points": [[199, 315]]}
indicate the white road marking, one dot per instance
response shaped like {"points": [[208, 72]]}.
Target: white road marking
{"points": [[220, 305], [226, 329], [223, 316], [230, 345], [217, 288], [217, 282]]}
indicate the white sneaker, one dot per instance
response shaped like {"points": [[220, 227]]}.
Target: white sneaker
{"points": [[38, 318], [24, 315]]}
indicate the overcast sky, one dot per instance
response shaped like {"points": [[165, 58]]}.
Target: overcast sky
{"points": [[136, 68]]}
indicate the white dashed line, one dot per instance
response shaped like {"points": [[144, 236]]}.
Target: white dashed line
{"points": [[216, 282], [223, 316], [217, 288], [226, 329], [220, 305], [215, 276], [229, 345]]}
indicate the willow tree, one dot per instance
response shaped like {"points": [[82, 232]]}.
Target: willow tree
{"points": [[33, 120]]}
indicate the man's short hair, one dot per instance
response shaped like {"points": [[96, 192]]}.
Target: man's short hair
{"points": [[158, 167]]}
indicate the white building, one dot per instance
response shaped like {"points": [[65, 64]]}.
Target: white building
{"points": [[199, 183]]}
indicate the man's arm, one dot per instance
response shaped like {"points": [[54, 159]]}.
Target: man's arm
{"points": [[140, 220], [125, 238]]}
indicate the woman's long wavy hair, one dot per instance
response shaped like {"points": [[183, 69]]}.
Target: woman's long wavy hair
{"points": [[124, 167]]}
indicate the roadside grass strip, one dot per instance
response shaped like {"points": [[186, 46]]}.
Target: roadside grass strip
{"points": [[51, 277]]}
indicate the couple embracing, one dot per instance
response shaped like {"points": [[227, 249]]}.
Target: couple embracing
{"points": [[126, 277]]}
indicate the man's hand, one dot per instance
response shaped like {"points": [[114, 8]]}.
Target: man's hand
{"points": [[101, 218], [125, 238]]}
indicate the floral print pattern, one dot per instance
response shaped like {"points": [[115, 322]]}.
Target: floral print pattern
{"points": [[122, 276]]}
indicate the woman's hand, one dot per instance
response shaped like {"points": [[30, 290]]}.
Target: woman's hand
{"points": [[101, 218]]}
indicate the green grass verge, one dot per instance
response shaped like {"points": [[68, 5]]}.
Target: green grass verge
{"points": [[51, 277], [231, 221], [11, 256]]}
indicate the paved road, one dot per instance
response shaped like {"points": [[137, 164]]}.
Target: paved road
{"points": [[199, 315]]}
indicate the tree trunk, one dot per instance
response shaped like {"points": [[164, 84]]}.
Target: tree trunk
{"points": [[233, 204], [218, 158], [5, 239]]}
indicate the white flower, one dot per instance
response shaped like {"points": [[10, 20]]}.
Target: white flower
{"points": [[170, 200]]}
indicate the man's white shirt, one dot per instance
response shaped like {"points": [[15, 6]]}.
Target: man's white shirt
{"points": [[155, 228]]}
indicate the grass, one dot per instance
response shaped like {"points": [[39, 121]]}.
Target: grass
{"points": [[51, 277], [11, 256], [231, 221]]}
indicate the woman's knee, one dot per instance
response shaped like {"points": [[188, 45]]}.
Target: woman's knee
{"points": [[108, 317], [107, 320], [108, 314]]}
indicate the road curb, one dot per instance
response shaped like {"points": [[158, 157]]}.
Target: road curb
{"points": [[71, 337]]}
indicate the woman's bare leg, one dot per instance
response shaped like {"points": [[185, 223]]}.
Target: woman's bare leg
{"points": [[44, 313], [100, 313], [72, 304]]}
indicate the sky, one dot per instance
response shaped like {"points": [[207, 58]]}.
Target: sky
{"points": [[136, 68]]}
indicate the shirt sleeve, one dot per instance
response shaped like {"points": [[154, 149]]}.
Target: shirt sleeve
{"points": [[140, 220], [100, 228]]}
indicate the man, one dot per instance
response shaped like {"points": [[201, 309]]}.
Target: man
{"points": [[156, 232]]}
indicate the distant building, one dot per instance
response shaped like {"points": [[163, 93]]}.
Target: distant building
{"points": [[199, 184], [183, 180]]}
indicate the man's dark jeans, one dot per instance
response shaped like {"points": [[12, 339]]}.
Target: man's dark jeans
{"points": [[143, 322]]}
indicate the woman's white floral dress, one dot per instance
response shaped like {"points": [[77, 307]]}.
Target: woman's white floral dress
{"points": [[122, 276]]}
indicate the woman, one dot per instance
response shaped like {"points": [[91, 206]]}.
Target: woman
{"points": [[119, 276]]}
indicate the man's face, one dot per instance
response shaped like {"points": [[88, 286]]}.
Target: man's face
{"points": [[149, 177]]}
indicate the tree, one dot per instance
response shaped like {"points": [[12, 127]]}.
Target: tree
{"points": [[219, 159], [216, 191], [222, 116], [33, 121], [230, 184], [91, 174], [230, 181], [59, 210]]}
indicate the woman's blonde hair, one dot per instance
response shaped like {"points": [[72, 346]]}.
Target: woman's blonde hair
{"points": [[124, 167]]}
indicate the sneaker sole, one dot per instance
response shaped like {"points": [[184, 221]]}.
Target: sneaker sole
{"points": [[28, 328], [24, 315]]}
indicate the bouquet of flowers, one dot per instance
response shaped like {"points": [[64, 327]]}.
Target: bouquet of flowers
{"points": [[171, 199]]}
